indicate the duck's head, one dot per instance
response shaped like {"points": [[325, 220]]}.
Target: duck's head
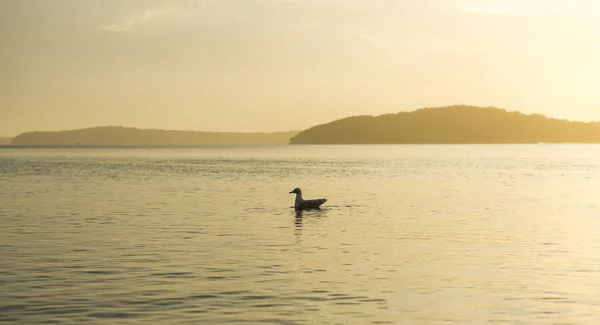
{"points": [[297, 190]]}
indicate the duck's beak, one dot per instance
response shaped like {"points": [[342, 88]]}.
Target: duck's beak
{"points": [[292, 192]]}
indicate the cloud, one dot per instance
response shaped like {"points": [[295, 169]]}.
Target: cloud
{"points": [[528, 7], [347, 5], [119, 28], [343, 4], [171, 9], [374, 41], [144, 16], [505, 7], [229, 8]]}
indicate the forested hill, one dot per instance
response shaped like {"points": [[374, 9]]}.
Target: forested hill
{"points": [[122, 136], [450, 125]]}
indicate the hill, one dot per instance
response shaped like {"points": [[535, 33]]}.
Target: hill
{"points": [[123, 136], [450, 125], [5, 141]]}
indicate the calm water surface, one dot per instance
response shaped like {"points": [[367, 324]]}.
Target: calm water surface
{"points": [[410, 235]]}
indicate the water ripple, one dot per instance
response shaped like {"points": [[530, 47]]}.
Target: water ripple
{"points": [[410, 235]]}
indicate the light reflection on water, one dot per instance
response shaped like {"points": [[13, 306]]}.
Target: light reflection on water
{"points": [[410, 235]]}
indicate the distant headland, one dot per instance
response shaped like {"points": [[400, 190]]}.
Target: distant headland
{"points": [[451, 125], [124, 136], [434, 125]]}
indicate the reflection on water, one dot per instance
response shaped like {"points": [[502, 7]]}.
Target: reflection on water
{"points": [[308, 216], [298, 219], [410, 235]]}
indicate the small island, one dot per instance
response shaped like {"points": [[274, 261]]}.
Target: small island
{"points": [[124, 136], [451, 125]]}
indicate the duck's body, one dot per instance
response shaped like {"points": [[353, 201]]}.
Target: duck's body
{"points": [[302, 204]]}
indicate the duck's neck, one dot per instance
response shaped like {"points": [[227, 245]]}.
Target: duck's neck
{"points": [[299, 197]]}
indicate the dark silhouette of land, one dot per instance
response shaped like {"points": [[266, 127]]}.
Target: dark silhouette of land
{"points": [[450, 125], [123, 136], [437, 125], [5, 141]]}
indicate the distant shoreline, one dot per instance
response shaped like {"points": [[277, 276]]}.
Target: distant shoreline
{"points": [[125, 136], [204, 146], [450, 125], [134, 146]]}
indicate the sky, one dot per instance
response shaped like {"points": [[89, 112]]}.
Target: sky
{"points": [[278, 65]]}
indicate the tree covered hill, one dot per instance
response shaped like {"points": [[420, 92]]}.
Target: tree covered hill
{"points": [[123, 136], [450, 125]]}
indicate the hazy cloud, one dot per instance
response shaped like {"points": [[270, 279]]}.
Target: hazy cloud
{"points": [[348, 5], [375, 41], [179, 8], [183, 8], [120, 27], [527, 7], [344, 4]]}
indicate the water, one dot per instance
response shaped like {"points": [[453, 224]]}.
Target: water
{"points": [[410, 235]]}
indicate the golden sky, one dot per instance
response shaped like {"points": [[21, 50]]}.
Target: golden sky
{"points": [[275, 65]]}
